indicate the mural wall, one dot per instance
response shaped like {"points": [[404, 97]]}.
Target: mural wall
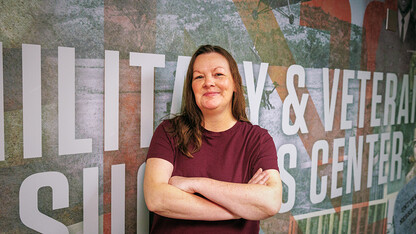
{"points": [[83, 84]]}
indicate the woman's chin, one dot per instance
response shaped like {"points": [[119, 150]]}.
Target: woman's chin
{"points": [[210, 105], [210, 108]]}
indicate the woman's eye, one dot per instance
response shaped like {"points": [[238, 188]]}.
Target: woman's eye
{"points": [[219, 74], [197, 77]]}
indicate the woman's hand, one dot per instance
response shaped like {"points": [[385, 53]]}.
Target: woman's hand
{"points": [[260, 177]]}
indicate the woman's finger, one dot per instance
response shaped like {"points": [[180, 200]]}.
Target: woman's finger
{"points": [[260, 177], [255, 176], [264, 179]]}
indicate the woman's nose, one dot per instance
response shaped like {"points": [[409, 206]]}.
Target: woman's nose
{"points": [[209, 81]]}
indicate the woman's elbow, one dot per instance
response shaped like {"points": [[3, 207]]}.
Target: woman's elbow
{"points": [[275, 204], [273, 209], [268, 211], [153, 202], [152, 205], [155, 205]]}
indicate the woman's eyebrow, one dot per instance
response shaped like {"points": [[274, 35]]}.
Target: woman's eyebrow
{"points": [[219, 67], [215, 68]]}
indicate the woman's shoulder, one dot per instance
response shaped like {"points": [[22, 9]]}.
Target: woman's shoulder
{"points": [[166, 123], [170, 125], [252, 127], [254, 130], [165, 126]]}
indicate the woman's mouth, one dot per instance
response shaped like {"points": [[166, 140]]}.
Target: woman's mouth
{"points": [[210, 94]]}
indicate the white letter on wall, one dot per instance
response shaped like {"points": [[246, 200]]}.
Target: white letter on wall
{"points": [[32, 111], [28, 201], [314, 196], [66, 105], [329, 109], [148, 62], [363, 76], [412, 118], [118, 197], [111, 99], [384, 157], [354, 163], [375, 99], [142, 211], [2, 151], [292, 100], [390, 97], [255, 94], [336, 167], [181, 69], [371, 139], [90, 199], [287, 149], [346, 99], [396, 155], [404, 101]]}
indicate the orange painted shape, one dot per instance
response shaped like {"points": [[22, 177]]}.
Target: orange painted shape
{"points": [[340, 9]]}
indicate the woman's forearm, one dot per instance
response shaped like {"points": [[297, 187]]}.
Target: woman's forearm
{"points": [[171, 202], [249, 201]]}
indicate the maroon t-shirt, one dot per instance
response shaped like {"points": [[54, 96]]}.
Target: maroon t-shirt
{"points": [[232, 156]]}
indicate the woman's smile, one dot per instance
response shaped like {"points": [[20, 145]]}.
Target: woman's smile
{"points": [[211, 94]]}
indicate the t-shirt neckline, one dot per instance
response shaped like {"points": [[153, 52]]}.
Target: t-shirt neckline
{"points": [[228, 131]]}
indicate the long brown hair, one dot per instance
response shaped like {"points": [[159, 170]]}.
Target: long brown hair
{"points": [[187, 127]]}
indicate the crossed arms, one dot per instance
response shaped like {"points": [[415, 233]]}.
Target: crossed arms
{"points": [[174, 197]]}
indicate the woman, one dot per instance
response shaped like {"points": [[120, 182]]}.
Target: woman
{"points": [[209, 170]]}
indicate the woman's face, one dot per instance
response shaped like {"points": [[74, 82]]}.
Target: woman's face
{"points": [[212, 83]]}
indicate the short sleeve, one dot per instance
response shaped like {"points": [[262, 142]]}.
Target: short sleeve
{"points": [[162, 145], [267, 155]]}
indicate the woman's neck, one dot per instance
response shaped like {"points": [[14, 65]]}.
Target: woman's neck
{"points": [[219, 123]]}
